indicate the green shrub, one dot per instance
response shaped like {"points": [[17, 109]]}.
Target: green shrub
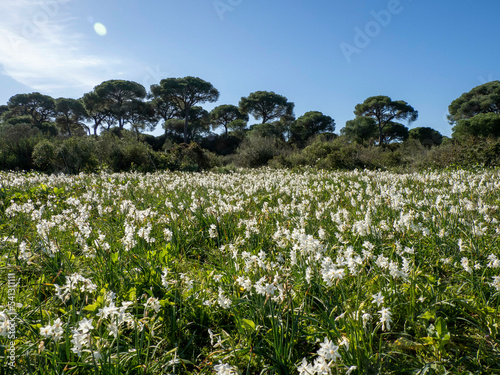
{"points": [[125, 152], [190, 158], [257, 150], [17, 143], [44, 156]]}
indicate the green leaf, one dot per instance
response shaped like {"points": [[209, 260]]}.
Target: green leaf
{"points": [[441, 328], [91, 307], [428, 340], [114, 257], [427, 315], [245, 323], [132, 293]]}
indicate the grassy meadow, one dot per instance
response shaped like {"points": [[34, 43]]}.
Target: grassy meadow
{"points": [[250, 272]]}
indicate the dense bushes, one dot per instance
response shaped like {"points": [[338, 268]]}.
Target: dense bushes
{"points": [[188, 157], [17, 143], [411, 154], [257, 150], [112, 153], [24, 147]]}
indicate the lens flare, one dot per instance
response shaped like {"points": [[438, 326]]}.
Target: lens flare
{"points": [[100, 29]]}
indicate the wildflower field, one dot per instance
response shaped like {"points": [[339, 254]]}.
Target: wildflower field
{"points": [[250, 272]]}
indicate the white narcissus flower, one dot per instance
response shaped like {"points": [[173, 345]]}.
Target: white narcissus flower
{"points": [[385, 319], [321, 367], [496, 283], [465, 264], [306, 368], [212, 231], [223, 301], [245, 283], [152, 303], [329, 351], [85, 325], [225, 369], [378, 299], [366, 317]]}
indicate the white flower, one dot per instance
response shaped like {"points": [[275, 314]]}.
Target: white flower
{"points": [[366, 318], [79, 340], [45, 331], [329, 351], [321, 233], [493, 261], [496, 283], [212, 231], [57, 330], [378, 299], [106, 311], [153, 303], [85, 325], [305, 368], [382, 261], [164, 280], [168, 234], [308, 275], [223, 301], [321, 366], [244, 282], [345, 343], [224, 369], [113, 329], [465, 264], [329, 272], [385, 318], [97, 356]]}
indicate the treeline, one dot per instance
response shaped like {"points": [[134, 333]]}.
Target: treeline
{"points": [[105, 130]]}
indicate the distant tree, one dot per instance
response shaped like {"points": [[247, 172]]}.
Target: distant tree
{"points": [[223, 115], [395, 132], [310, 124], [118, 97], [185, 93], [237, 126], [3, 109], [198, 125], [40, 108], [142, 116], [174, 129], [266, 105], [276, 129], [384, 110], [96, 111], [70, 114], [360, 130], [480, 125], [164, 108], [481, 99], [426, 136]]}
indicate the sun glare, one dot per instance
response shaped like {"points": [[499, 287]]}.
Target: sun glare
{"points": [[100, 29]]}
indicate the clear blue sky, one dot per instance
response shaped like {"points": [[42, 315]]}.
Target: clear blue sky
{"points": [[427, 52]]}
